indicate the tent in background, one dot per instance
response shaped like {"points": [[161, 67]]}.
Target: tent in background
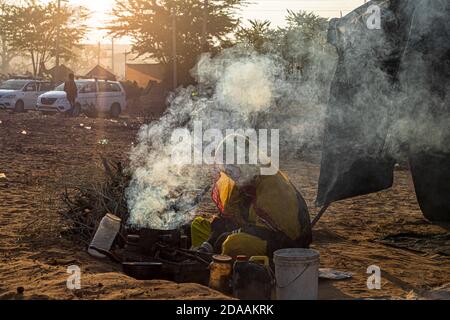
{"points": [[100, 72]]}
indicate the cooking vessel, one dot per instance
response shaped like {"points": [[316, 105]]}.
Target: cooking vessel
{"points": [[144, 270], [149, 237], [137, 270]]}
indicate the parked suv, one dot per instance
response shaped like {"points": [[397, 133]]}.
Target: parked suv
{"points": [[94, 96], [22, 94]]}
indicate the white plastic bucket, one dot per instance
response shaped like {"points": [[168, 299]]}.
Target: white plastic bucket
{"points": [[297, 274]]}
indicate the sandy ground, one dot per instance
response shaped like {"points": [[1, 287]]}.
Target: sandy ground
{"points": [[39, 154]]}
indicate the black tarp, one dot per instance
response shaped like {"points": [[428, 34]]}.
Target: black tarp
{"points": [[357, 119], [398, 74], [425, 79]]}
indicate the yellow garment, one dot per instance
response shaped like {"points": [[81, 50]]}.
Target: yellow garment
{"points": [[200, 231], [244, 244], [277, 198], [234, 245], [233, 203], [271, 202], [275, 206]]}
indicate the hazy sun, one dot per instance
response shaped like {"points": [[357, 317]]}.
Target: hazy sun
{"points": [[99, 17]]}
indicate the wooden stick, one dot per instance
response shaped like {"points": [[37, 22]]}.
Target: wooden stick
{"points": [[319, 215]]}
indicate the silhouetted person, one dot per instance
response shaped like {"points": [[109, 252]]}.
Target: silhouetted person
{"points": [[71, 91]]}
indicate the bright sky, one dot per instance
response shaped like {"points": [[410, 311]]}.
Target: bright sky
{"points": [[273, 10]]}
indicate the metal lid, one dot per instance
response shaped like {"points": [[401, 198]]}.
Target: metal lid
{"points": [[241, 258], [113, 217], [222, 258]]}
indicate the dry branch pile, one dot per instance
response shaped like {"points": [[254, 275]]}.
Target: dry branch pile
{"points": [[85, 206]]}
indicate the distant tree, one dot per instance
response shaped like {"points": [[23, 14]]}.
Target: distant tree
{"points": [[37, 25], [7, 26], [149, 24], [257, 35], [299, 43], [311, 25], [303, 39], [85, 56]]}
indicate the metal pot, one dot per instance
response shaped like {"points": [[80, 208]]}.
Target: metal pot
{"points": [[148, 238], [144, 270], [137, 270]]}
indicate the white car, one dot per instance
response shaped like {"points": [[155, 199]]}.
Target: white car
{"points": [[22, 94], [94, 96]]}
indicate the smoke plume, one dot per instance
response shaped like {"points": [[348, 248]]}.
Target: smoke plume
{"points": [[374, 86], [236, 88]]}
